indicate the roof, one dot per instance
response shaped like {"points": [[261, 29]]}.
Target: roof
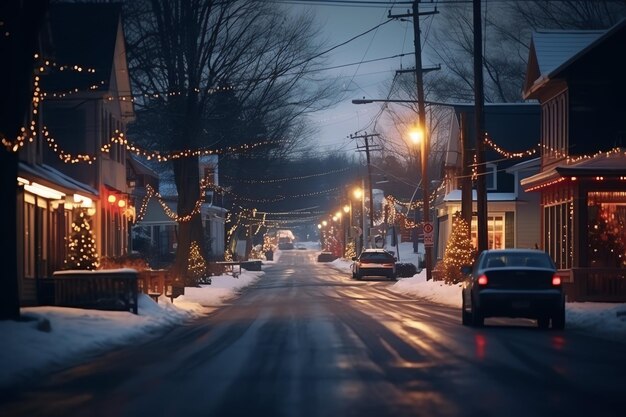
{"points": [[554, 51], [83, 34], [515, 127], [555, 47], [53, 178], [140, 168], [606, 164]]}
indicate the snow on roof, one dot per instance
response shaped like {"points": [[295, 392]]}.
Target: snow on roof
{"points": [[555, 47], [53, 176], [455, 195]]}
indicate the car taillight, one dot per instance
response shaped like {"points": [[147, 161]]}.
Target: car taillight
{"points": [[556, 280], [482, 280]]}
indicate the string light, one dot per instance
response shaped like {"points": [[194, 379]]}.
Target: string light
{"points": [[269, 181], [507, 154]]}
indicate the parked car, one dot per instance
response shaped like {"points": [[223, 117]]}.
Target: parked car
{"points": [[513, 283], [374, 262]]}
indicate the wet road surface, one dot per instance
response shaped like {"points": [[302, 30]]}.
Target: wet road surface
{"points": [[307, 340]]}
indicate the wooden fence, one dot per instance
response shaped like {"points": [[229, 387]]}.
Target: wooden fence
{"points": [[597, 285], [101, 290]]}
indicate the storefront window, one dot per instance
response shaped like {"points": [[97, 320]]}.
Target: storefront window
{"points": [[606, 229], [559, 238]]}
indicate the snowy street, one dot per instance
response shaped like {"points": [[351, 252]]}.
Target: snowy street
{"points": [[307, 340]]}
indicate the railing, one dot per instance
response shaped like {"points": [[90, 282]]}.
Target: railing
{"points": [[100, 290], [597, 285], [156, 282]]}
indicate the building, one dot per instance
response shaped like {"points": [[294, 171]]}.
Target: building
{"points": [[81, 100], [513, 215], [582, 180]]}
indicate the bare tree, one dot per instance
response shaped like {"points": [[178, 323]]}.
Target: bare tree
{"points": [[506, 38], [215, 74]]}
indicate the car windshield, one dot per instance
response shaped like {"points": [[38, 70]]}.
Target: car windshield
{"points": [[376, 256], [504, 260]]}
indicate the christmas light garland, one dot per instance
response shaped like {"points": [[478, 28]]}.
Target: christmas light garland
{"points": [[301, 177]]}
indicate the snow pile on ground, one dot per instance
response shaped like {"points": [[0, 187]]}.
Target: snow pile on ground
{"points": [[52, 337]]}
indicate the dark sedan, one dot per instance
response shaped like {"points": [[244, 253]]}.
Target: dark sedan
{"points": [[513, 283]]}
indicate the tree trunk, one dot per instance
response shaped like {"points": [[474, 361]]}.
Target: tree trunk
{"points": [[187, 178]]}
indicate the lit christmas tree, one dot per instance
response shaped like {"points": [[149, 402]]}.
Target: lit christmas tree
{"points": [[607, 239], [196, 265], [81, 246], [459, 251], [350, 249]]}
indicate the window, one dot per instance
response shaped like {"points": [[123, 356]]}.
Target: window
{"points": [[495, 232], [606, 229], [209, 175], [559, 239]]}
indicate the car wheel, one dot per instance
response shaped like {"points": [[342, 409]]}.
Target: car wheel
{"points": [[543, 322], [558, 320], [478, 319], [466, 318], [393, 277]]}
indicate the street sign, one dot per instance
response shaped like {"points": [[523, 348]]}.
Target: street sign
{"points": [[428, 234]]}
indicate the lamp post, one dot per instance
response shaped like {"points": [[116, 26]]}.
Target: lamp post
{"points": [[359, 194], [347, 209]]}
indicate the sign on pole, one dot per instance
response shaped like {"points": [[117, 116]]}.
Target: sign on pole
{"points": [[428, 234]]}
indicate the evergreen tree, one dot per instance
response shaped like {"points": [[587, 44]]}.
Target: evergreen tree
{"points": [[81, 246], [196, 264], [459, 251]]}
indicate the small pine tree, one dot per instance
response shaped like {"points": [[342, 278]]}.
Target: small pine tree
{"points": [[196, 265], [81, 244], [350, 249], [459, 251]]}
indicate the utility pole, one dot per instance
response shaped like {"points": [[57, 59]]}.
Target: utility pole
{"points": [[466, 174], [479, 118], [367, 148], [421, 109]]}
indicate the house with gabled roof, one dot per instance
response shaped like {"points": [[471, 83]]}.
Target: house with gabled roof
{"points": [[83, 100], [578, 77], [512, 217]]}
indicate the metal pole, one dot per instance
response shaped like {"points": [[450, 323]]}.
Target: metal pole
{"points": [[479, 118]]}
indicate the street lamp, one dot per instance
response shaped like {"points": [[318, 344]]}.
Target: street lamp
{"points": [[358, 193]]}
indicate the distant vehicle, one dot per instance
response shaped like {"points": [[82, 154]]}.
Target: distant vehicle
{"points": [[513, 283], [374, 262], [285, 244], [285, 239]]}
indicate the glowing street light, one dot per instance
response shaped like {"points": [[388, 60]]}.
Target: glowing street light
{"points": [[416, 135]]}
